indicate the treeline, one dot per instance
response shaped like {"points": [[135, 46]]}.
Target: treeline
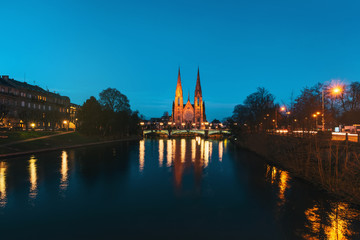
{"points": [[340, 104], [110, 115]]}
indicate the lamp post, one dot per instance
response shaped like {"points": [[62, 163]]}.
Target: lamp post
{"points": [[335, 90]]}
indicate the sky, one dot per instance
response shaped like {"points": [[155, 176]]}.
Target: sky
{"points": [[79, 48]]}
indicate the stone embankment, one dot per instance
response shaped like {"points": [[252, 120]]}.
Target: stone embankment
{"points": [[332, 165]]}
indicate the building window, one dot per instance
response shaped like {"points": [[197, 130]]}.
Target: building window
{"points": [[29, 95], [49, 108], [28, 105], [22, 103], [34, 105], [43, 107], [39, 106]]}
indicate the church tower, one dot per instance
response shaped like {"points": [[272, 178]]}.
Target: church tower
{"points": [[178, 104], [198, 104]]}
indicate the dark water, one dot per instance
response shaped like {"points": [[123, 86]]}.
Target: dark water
{"points": [[163, 189]]}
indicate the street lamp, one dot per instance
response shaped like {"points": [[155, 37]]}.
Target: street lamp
{"points": [[335, 89], [66, 124]]}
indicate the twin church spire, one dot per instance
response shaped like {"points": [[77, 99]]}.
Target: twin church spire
{"points": [[188, 115], [179, 91]]}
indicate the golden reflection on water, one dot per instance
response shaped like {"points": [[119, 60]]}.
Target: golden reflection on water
{"points": [[141, 155], [280, 179], [3, 169], [64, 171], [283, 184], [198, 140], [206, 154], [161, 152], [183, 150], [221, 150], [181, 154], [193, 150], [210, 150], [33, 177], [333, 224], [169, 153]]}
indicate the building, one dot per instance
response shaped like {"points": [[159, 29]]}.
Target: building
{"points": [[188, 115], [23, 105]]}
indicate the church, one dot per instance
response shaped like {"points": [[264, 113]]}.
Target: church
{"points": [[188, 115]]}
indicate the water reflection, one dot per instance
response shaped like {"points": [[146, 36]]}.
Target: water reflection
{"points": [[193, 150], [280, 179], [183, 150], [221, 151], [181, 154], [169, 153], [333, 223], [33, 177], [64, 171], [3, 169], [206, 154], [161, 152], [141, 155]]}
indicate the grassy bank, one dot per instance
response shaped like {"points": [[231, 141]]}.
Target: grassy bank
{"points": [[332, 165], [51, 142], [9, 136]]}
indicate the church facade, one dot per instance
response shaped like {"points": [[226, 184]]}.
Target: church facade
{"points": [[188, 115]]}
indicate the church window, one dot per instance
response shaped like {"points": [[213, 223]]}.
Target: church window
{"points": [[178, 101], [198, 101]]}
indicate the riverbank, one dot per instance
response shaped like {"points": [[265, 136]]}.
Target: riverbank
{"points": [[53, 142], [333, 166]]}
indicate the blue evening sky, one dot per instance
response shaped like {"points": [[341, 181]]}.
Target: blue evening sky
{"points": [[79, 48]]}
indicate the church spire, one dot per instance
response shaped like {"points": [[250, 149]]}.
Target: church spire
{"points": [[198, 86], [178, 86]]}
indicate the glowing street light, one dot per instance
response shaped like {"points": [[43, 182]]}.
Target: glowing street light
{"points": [[336, 90], [282, 109]]}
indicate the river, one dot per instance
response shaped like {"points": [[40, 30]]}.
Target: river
{"points": [[164, 189]]}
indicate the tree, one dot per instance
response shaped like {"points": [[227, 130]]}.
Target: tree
{"points": [[256, 110], [259, 105], [307, 104], [113, 100], [90, 116]]}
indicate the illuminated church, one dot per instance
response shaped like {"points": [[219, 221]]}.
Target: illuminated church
{"points": [[188, 115]]}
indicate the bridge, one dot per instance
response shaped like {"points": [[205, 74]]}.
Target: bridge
{"points": [[195, 132]]}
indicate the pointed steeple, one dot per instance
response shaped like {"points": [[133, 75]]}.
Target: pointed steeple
{"points": [[198, 86], [178, 91], [188, 96]]}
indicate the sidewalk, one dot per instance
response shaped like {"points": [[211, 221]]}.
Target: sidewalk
{"points": [[34, 139]]}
